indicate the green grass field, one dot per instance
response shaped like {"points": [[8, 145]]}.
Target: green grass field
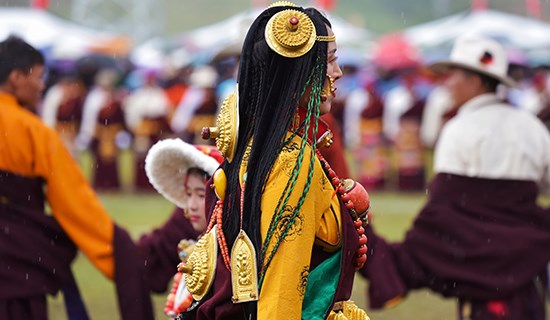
{"points": [[139, 213]]}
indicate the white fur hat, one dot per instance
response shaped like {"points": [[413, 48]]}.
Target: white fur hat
{"points": [[480, 55], [167, 163]]}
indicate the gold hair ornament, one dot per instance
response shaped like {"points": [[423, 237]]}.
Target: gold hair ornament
{"points": [[282, 4], [326, 38], [227, 125], [291, 33]]}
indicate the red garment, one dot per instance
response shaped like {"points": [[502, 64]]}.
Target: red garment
{"points": [[335, 154]]}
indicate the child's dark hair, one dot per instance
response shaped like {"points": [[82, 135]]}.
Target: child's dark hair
{"points": [[16, 54]]}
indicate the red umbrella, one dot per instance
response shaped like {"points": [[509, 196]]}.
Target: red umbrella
{"points": [[393, 51]]}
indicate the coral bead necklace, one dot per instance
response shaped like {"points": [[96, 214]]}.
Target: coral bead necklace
{"points": [[356, 200]]}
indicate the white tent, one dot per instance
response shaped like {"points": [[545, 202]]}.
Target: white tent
{"points": [[230, 33], [46, 31], [509, 29], [227, 37]]}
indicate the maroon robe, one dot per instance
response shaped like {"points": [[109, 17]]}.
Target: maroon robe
{"points": [[36, 256], [35, 252], [410, 151], [151, 130], [371, 154], [110, 120], [476, 239]]}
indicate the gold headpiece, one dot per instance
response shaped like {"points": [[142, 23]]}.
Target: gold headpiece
{"points": [[326, 38], [291, 33], [282, 4], [227, 125]]}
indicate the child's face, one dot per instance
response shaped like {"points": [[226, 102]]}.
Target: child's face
{"points": [[195, 189]]}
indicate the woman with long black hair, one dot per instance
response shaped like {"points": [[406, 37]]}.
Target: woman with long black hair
{"points": [[285, 234]]}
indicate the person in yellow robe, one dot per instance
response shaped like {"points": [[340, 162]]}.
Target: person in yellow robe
{"points": [[288, 246]]}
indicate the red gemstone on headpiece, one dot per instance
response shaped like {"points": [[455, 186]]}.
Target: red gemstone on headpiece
{"points": [[294, 21]]}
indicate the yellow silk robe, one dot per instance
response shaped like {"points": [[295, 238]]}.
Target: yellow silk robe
{"points": [[318, 223]]}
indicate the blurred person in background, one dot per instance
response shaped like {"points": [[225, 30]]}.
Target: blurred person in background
{"points": [[198, 106], [362, 131], [525, 94], [481, 237], [544, 113], [102, 121], [227, 67], [402, 119], [176, 78], [537, 98], [403, 107], [146, 113], [437, 111], [364, 112], [62, 108]]}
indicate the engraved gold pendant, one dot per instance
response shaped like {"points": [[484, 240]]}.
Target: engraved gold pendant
{"points": [[244, 275], [201, 265]]}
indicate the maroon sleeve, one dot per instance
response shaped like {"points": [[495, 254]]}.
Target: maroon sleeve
{"points": [[385, 279], [147, 266], [132, 290], [159, 250]]}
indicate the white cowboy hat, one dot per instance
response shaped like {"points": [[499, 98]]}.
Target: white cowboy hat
{"points": [[480, 55], [167, 163]]}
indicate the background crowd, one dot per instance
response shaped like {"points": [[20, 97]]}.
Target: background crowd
{"points": [[388, 111]]}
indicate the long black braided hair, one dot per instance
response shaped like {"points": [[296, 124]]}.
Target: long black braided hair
{"points": [[270, 87]]}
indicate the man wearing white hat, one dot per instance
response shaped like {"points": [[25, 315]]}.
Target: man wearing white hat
{"points": [[481, 237]]}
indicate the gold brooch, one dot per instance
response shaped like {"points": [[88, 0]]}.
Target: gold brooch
{"points": [[201, 265], [290, 33], [227, 125]]}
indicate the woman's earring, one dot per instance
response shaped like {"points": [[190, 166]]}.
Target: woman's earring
{"points": [[330, 89], [186, 214]]}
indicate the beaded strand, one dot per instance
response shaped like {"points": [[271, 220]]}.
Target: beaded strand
{"points": [[169, 308], [358, 223], [217, 220]]}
